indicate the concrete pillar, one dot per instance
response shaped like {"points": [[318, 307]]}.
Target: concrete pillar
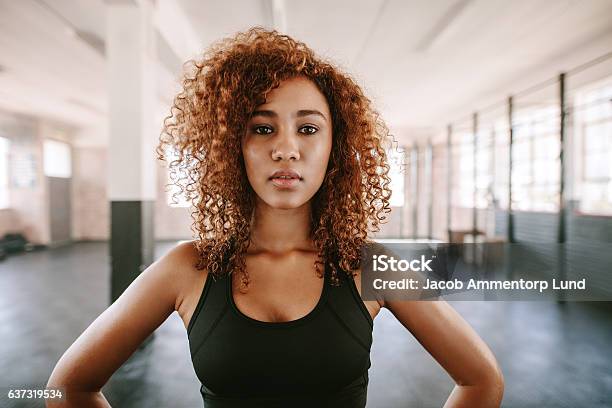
{"points": [[133, 132]]}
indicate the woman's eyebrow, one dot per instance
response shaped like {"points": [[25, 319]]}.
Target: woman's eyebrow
{"points": [[306, 112], [266, 113], [299, 114]]}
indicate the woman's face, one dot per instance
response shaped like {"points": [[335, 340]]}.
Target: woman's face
{"points": [[287, 144]]}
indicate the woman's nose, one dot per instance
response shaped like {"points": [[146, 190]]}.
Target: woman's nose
{"points": [[286, 148]]}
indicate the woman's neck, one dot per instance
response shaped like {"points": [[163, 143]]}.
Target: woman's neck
{"points": [[281, 231]]}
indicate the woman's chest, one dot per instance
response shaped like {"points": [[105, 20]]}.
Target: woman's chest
{"points": [[327, 350], [277, 291]]}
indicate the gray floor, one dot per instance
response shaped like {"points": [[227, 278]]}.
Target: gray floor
{"points": [[552, 355]]}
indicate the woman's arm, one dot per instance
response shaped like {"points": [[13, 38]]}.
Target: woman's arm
{"points": [[114, 336], [457, 347]]}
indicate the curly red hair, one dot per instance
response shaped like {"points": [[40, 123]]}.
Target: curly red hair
{"points": [[202, 137]]}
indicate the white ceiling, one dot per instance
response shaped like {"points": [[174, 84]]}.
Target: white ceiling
{"points": [[423, 62]]}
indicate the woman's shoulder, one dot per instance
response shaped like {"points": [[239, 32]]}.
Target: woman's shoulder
{"points": [[183, 258], [187, 250]]}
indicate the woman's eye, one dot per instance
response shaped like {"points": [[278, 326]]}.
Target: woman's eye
{"points": [[309, 130], [262, 130]]}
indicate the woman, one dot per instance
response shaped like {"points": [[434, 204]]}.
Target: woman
{"points": [[283, 156]]}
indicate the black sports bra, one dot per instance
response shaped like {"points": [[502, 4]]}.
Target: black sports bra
{"points": [[319, 360]]}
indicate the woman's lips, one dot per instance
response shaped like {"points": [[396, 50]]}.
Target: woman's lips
{"points": [[285, 182], [285, 178]]}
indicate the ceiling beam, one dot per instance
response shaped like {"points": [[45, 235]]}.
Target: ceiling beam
{"points": [[368, 38], [442, 26], [89, 38]]}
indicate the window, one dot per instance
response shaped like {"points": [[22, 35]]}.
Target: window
{"points": [[462, 176], [4, 169], [484, 168], [501, 140], [593, 126], [535, 160], [57, 159], [412, 156]]}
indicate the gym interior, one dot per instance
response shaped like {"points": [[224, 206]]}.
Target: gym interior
{"points": [[501, 121]]}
